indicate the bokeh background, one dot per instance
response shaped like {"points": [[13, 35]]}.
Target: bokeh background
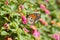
{"points": [[13, 24]]}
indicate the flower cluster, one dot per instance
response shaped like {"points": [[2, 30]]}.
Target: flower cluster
{"points": [[44, 8], [56, 36], [24, 19]]}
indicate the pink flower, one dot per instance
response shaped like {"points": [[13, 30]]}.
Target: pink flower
{"points": [[47, 11], [56, 36], [33, 27], [6, 26], [21, 6], [36, 33], [47, 0], [24, 20], [42, 7], [43, 22], [25, 30], [6, 2]]}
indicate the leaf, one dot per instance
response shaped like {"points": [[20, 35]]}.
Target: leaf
{"points": [[3, 33]]}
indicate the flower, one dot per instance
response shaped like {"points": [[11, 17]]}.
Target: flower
{"points": [[42, 7], [33, 27], [21, 6], [6, 26], [58, 24], [6, 2], [53, 22], [25, 30], [47, 11], [43, 22], [47, 0], [24, 22], [8, 38], [56, 36], [24, 19], [36, 34], [36, 10]]}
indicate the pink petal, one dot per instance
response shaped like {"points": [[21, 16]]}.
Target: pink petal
{"points": [[47, 11], [21, 6], [24, 20], [26, 30], [43, 22], [56, 36], [6, 2], [33, 27], [6, 26], [47, 0], [36, 33], [42, 7]]}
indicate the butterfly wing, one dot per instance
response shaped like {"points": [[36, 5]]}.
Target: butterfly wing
{"points": [[37, 16], [32, 18]]}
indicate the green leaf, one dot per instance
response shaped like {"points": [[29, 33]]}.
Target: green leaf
{"points": [[3, 33]]}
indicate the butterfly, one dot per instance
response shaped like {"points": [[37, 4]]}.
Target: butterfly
{"points": [[32, 18]]}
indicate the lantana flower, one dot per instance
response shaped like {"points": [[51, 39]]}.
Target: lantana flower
{"points": [[25, 30], [53, 22], [56, 36], [58, 24], [47, 11], [36, 34], [42, 7], [6, 25], [47, 0], [21, 6], [32, 27], [8, 38], [43, 22], [6, 2], [24, 19]]}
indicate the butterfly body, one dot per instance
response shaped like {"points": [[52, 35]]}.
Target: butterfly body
{"points": [[33, 17]]}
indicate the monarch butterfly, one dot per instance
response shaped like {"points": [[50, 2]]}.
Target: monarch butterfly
{"points": [[33, 17]]}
